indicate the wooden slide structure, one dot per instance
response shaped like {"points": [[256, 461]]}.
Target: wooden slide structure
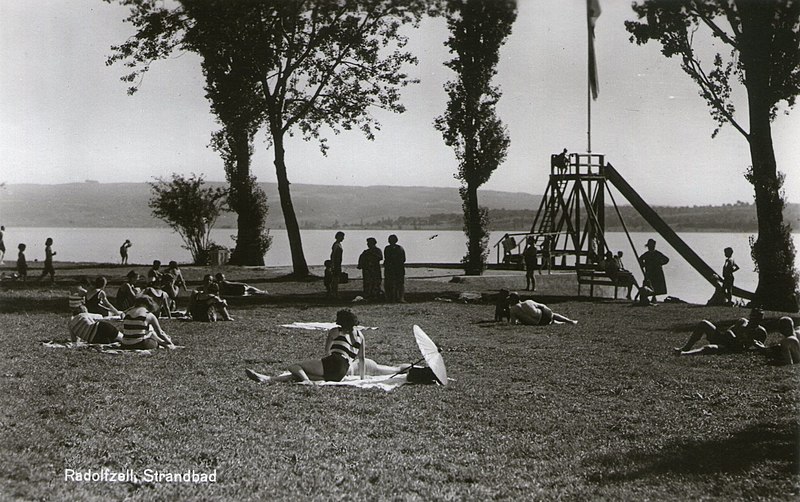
{"points": [[669, 235]]}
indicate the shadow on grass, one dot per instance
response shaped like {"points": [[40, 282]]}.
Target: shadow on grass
{"points": [[744, 451]]}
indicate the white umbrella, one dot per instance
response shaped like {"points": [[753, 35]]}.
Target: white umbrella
{"points": [[432, 355]]}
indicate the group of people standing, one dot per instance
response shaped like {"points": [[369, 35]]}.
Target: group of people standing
{"points": [[369, 262]]}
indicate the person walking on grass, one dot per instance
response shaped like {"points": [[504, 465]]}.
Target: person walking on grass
{"points": [[531, 313], [48, 261], [530, 256], [394, 270], [738, 337], [344, 344], [123, 251], [337, 253], [728, 269]]}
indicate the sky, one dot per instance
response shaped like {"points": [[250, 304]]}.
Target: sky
{"points": [[65, 116]]}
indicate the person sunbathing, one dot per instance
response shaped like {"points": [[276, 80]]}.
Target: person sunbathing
{"points": [[206, 305], [140, 328], [158, 292], [531, 313], [789, 346], [343, 345], [97, 301], [738, 337], [87, 327], [229, 288], [128, 291]]}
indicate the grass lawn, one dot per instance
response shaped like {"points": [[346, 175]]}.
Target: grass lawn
{"points": [[601, 410]]}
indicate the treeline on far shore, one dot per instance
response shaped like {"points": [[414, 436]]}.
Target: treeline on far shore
{"points": [[739, 217]]}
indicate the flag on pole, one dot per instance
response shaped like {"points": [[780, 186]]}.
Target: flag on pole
{"points": [[592, 13]]}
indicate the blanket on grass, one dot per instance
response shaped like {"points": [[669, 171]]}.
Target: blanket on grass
{"points": [[383, 382], [103, 348], [322, 326]]}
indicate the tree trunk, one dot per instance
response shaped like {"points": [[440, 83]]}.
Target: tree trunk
{"points": [[249, 225], [773, 250], [472, 223], [299, 266]]}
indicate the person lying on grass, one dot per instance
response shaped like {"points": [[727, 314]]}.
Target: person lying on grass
{"points": [[140, 328], [788, 351], [229, 288], [531, 313], [97, 301], [343, 345], [738, 337], [88, 328]]}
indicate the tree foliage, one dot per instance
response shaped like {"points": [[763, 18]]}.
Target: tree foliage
{"points": [[189, 208], [478, 28], [762, 54], [318, 64]]}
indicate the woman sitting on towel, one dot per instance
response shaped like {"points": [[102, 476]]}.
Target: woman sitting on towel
{"points": [[88, 328], [97, 301], [344, 344], [140, 328]]}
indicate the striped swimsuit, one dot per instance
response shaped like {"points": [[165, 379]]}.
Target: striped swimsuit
{"points": [[347, 345], [83, 326], [134, 327]]}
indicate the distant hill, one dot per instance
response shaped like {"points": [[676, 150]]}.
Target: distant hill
{"points": [[120, 205]]}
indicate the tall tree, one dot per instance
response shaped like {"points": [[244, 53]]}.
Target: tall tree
{"points": [[478, 28], [763, 39], [318, 64], [239, 106]]}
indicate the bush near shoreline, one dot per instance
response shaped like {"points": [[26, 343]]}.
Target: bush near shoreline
{"points": [[601, 410]]}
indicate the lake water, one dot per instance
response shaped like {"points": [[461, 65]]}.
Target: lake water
{"points": [[422, 246]]}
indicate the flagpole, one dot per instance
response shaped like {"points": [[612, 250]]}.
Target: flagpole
{"points": [[589, 98], [588, 86]]}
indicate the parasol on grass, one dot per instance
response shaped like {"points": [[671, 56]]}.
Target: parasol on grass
{"points": [[431, 354]]}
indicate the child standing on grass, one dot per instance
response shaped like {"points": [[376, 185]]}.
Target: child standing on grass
{"points": [[22, 263], [48, 261], [728, 269]]}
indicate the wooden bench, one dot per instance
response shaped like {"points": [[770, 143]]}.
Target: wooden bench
{"points": [[593, 277]]}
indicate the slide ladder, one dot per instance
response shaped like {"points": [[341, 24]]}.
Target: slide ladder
{"points": [[669, 235]]}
